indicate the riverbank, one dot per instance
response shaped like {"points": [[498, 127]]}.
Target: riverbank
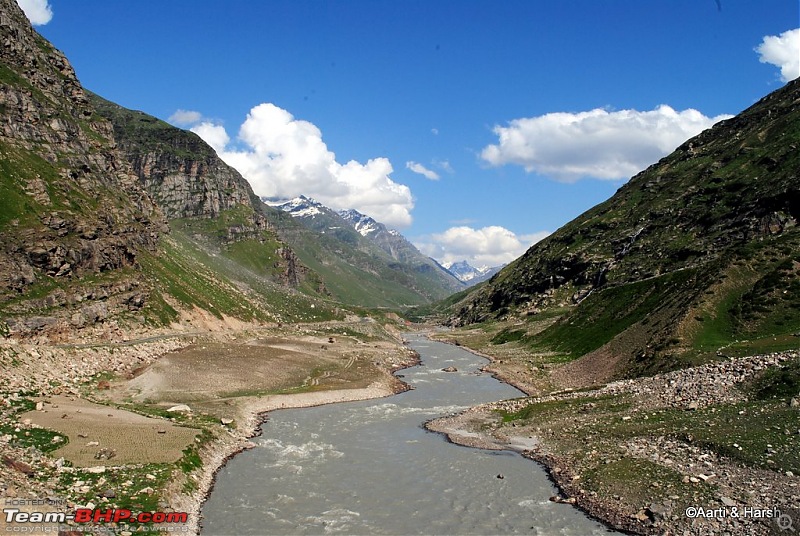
{"points": [[158, 388], [636, 454]]}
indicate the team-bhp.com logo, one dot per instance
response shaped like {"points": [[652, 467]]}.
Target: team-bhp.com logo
{"points": [[85, 515]]}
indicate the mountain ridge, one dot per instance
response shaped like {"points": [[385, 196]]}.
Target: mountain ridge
{"points": [[723, 206]]}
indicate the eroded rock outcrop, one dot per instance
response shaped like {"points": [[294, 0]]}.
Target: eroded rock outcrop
{"points": [[72, 205]]}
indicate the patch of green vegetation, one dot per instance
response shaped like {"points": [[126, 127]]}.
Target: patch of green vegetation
{"points": [[21, 405], [543, 411], [753, 433], [717, 328], [258, 256], [640, 480], [609, 312], [508, 335], [126, 481], [158, 312], [255, 292], [755, 305], [40, 438], [758, 428], [191, 455], [216, 228], [12, 78], [766, 345], [178, 274], [362, 276], [781, 382], [772, 304], [17, 167]]}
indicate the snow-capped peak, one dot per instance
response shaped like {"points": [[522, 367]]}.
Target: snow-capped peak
{"points": [[300, 206], [362, 223], [465, 272]]}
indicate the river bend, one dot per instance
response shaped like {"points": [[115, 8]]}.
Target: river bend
{"points": [[369, 467]]}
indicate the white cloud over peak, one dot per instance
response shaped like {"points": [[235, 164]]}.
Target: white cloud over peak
{"points": [[214, 135], [38, 12], [488, 246], [599, 144], [286, 157], [185, 117], [422, 170], [783, 51]]}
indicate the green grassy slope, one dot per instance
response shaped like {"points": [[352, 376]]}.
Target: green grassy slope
{"points": [[695, 257]]}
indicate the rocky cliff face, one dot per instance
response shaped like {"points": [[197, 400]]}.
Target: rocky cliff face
{"points": [[71, 205], [181, 172], [190, 183]]}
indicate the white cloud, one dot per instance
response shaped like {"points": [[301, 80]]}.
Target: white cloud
{"points": [[422, 170], [38, 12], [782, 51], [444, 165], [598, 143], [214, 135], [286, 157], [488, 246], [185, 117]]}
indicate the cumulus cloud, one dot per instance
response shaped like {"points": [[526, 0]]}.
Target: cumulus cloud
{"points": [[214, 135], [38, 12], [600, 144], [422, 170], [782, 51], [285, 157], [488, 246], [185, 118]]}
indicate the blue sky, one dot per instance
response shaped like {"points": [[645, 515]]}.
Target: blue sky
{"points": [[474, 127]]}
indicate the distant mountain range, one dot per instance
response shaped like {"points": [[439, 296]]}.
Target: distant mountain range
{"points": [[365, 251], [324, 220], [469, 274]]}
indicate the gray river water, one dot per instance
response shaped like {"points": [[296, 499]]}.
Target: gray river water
{"points": [[369, 467]]}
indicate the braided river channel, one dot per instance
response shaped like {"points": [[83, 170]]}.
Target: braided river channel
{"points": [[369, 467]]}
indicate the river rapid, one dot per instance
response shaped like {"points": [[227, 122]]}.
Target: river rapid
{"points": [[370, 467]]}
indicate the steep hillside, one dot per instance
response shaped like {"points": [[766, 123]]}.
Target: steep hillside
{"points": [[84, 209], [356, 269], [70, 207], [696, 256], [389, 240], [205, 199]]}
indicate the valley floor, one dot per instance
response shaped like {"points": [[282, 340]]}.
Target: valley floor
{"points": [[144, 424], [686, 452]]}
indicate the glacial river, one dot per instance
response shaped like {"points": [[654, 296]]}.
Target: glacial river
{"points": [[369, 467]]}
